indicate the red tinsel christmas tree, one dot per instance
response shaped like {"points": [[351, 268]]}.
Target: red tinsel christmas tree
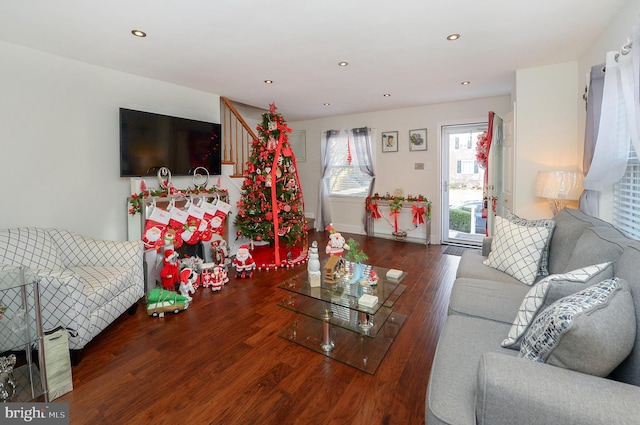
{"points": [[272, 207]]}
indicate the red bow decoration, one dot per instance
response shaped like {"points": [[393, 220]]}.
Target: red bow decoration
{"points": [[375, 214], [394, 214], [417, 212]]}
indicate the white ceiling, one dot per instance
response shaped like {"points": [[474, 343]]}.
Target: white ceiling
{"points": [[398, 47]]}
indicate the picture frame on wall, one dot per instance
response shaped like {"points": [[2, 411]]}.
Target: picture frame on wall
{"points": [[298, 142], [418, 140], [389, 141]]}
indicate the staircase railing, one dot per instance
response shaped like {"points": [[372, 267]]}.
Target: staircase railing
{"points": [[237, 137]]}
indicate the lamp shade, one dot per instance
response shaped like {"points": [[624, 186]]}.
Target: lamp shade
{"points": [[559, 185]]}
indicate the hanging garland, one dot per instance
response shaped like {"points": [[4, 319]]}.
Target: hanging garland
{"points": [[418, 211], [135, 200]]}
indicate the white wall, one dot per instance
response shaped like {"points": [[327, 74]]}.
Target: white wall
{"points": [[59, 138], [393, 170], [546, 130]]}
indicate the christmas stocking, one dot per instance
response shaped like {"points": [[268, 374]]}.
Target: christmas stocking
{"points": [[217, 222], [176, 226], [155, 228], [191, 232], [209, 213]]}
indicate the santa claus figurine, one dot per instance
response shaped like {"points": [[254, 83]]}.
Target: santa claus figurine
{"points": [[337, 243], [218, 278], [169, 273], [244, 263]]}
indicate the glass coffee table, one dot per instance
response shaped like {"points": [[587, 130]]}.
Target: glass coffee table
{"points": [[332, 322]]}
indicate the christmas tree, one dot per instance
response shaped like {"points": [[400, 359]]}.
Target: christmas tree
{"points": [[271, 207]]}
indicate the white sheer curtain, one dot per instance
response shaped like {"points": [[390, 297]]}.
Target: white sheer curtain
{"points": [[324, 211], [358, 178], [619, 124], [629, 63]]}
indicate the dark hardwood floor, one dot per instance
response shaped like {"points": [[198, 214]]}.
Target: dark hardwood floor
{"points": [[222, 362]]}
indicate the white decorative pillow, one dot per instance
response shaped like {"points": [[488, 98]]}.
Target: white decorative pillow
{"points": [[591, 331], [549, 290], [517, 250], [549, 224]]}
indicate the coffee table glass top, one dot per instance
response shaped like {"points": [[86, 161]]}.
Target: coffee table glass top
{"points": [[346, 293]]}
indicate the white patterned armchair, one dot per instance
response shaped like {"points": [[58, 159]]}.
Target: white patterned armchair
{"points": [[85, 283]]}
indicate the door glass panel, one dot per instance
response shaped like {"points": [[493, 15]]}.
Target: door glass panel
{"points": [[463, 221]]}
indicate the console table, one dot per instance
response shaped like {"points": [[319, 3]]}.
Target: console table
{"points": [[413, 217], [330, 321]]}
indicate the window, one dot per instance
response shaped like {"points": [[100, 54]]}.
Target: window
{"points": [[626, 198], [344, 178], [467, 167], [465, 143]]}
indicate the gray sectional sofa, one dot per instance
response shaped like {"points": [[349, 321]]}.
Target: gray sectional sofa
{"points": [[475, 380]]}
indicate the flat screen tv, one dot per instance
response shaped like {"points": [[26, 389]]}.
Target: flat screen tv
{"points": [[149, 141]]}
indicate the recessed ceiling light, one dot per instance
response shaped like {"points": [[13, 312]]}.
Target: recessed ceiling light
{"points": [[465, 83], [326, 104], [139, 33], [387, 95], [452, 37], [268, 81], [343, 63]]}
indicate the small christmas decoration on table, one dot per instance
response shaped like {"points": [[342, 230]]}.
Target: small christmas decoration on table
{"points": [[244, 263], [334, 269], [313, 266], [356, 256], [337, 244]]}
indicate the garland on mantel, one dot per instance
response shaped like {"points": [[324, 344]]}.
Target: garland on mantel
{"points": [[395, 205], [136, 198]]}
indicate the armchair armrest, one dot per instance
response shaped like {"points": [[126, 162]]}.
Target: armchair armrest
{"points": [[76, 251], [64, 303], [517, 391], [486, 246]]}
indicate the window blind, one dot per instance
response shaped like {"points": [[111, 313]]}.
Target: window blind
{"points": [[626, 199]]}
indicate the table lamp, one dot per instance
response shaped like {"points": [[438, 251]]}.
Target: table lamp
{"points": [[559, 187]]}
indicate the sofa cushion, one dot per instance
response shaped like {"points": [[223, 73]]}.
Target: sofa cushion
{"points": [[627, 268], [549, 224], [486, 298], [104, 284], [471, 265], [452, 384], [549, 290], [30, 247], [591, 331], [597, 245], [570, 224], [517, 250]]}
